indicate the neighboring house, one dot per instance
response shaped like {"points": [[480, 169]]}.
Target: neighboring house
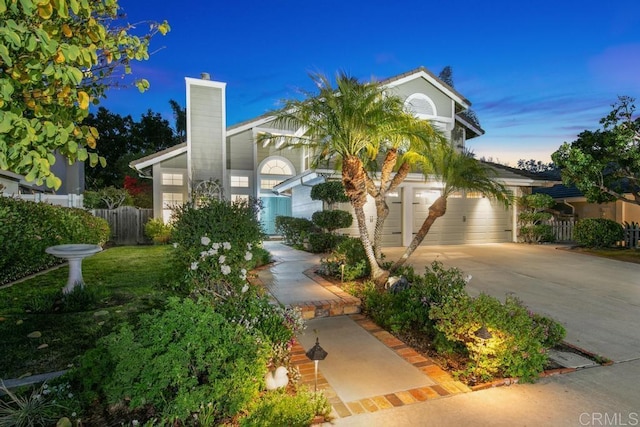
{"points": [[69, 194], [573, 204], [228, 161]]}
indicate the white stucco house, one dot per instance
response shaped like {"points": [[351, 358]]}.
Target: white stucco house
{"points": [[282, 177]]}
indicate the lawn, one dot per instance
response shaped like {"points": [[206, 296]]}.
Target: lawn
{"points": [[121, 283], [619, 254]]}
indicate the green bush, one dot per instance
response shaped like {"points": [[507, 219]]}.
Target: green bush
{"points": [[323, 242], [330, 192], [534, 211], [537, 233], [158, 231], [598, 232], [182, 363], [28, 228], [332, 220], [294, 231], [408, 309], [348, 253], [215, 242], [277, 408], [501, 339]]}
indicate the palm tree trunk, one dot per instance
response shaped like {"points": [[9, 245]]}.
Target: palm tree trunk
{"points": [[436, 210], [378, 275], [382, 211]]}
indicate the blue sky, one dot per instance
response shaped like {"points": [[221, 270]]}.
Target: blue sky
{"points": [[537, 72]]}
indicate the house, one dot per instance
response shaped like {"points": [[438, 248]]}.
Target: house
{"points": [[69, 194], [227, 161], [574, 205]]}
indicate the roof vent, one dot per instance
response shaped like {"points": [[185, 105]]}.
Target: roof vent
{"points": [[205, 76]]}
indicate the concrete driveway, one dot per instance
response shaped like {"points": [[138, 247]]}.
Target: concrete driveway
{"points": [[596, 299]]}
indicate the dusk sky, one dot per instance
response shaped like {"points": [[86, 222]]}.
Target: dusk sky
{"points": [[536, 72]]}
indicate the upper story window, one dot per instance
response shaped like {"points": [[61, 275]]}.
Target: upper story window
{"points": [[276, 167], [239, 181], [172, 179], [421, 106]]}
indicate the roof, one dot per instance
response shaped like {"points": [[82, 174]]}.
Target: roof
{"points": [[560, 191], [507, 172], [154, 158]]}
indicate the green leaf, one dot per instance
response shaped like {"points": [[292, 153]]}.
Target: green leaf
{"points": [[11, 36], [82, 154], [27, 6], [75, 6], [5, 122], [75, 75], [4, 54], [72, 146], [3, 6], [33, 173]]}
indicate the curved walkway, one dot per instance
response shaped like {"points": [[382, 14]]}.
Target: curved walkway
{"points": [[367, 369]]}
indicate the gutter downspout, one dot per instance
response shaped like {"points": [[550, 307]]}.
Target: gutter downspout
{"points": [[573, 209]]}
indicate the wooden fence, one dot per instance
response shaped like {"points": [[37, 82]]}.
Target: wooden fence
{"points": [[563, 231], [126, 223]]}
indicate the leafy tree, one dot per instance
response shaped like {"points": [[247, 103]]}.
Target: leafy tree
{"points": [[122, 140], [56, 58], [535, 166], [180, 116], [446, 75], [457, 171], [605, 164], [534, 211], [352, 126]]}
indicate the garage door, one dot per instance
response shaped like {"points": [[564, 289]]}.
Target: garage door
{"points": [[469, 219], [392, 228]]}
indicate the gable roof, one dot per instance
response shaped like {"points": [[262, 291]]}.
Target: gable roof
{"points": [[507, 172], [160, 156]]}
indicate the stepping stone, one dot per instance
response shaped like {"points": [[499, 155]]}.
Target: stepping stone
{"points": [[35, 334], [570, 360]]}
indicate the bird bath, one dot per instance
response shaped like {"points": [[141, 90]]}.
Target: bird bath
{"points": [[74, 253]]}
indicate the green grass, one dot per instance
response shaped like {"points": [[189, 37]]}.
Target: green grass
{"points": [[620, 254], [121, 283]]}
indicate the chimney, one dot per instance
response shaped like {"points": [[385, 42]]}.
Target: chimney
{"points": [[205, 76]]}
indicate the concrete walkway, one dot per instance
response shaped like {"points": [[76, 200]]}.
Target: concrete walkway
{"points": [[367, 369], [597, 300]]}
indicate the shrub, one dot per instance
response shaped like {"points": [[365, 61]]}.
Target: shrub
{"points": [[332, 220], [323, 242], [182, 362], [533, 212], [158, 231], [294, 231], [277, 408], [28, 228], [350, 254], [408, 309], [501, 339], [330, 192], [537, 233], [598, 232]]}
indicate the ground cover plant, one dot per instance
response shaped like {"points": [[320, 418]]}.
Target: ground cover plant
{"points": [[161, 339]]}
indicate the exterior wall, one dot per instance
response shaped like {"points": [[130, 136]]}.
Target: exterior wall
{"points": [[443, 103], [301, 204], [294, 155], [617, 211], [206, 132], [240, 150], [11, 186], [176, 165]]}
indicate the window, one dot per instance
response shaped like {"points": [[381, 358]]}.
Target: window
{"points": [[169, 202], [171, 179], [239, 197], [421, 106], [276, 167], [268, 184], [474, 195], [456, 195], [239, 181]]}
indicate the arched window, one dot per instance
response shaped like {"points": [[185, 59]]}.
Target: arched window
{"points": [[273, 171], [421, 106]]}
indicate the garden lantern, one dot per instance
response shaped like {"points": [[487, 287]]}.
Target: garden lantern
{"points": [[316, 353]]}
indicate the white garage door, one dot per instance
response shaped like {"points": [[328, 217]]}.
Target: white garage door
{"points": [[392, 228], [469, 219]]}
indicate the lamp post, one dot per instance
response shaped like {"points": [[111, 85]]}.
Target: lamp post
{"points": [[316, 353]]}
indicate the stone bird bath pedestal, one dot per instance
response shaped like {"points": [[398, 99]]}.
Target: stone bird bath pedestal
{"points": [[74, 254]]}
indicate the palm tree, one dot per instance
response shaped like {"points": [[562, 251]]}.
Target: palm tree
{"points": [[180, 116], [351, 126], [457, 171]]}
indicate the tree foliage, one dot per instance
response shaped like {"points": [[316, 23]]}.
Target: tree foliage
{"points": [[605, 164], [535, 166], [56, 58], [122, 139]]}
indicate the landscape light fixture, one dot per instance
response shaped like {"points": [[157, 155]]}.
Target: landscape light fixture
{"points": [[316, 353], [483, 333]]}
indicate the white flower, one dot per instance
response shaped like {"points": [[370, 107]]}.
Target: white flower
{"points": [[135, 422], [248, 256], [175, 245], [212, 252], [205, 240], [226, 245], [222, 259], [468, 278], [70, 395], [194, 265], [243, 272], [225, 269], [245, 288], [73, 414], [216, 246], [204, 254], [249, 246]]}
